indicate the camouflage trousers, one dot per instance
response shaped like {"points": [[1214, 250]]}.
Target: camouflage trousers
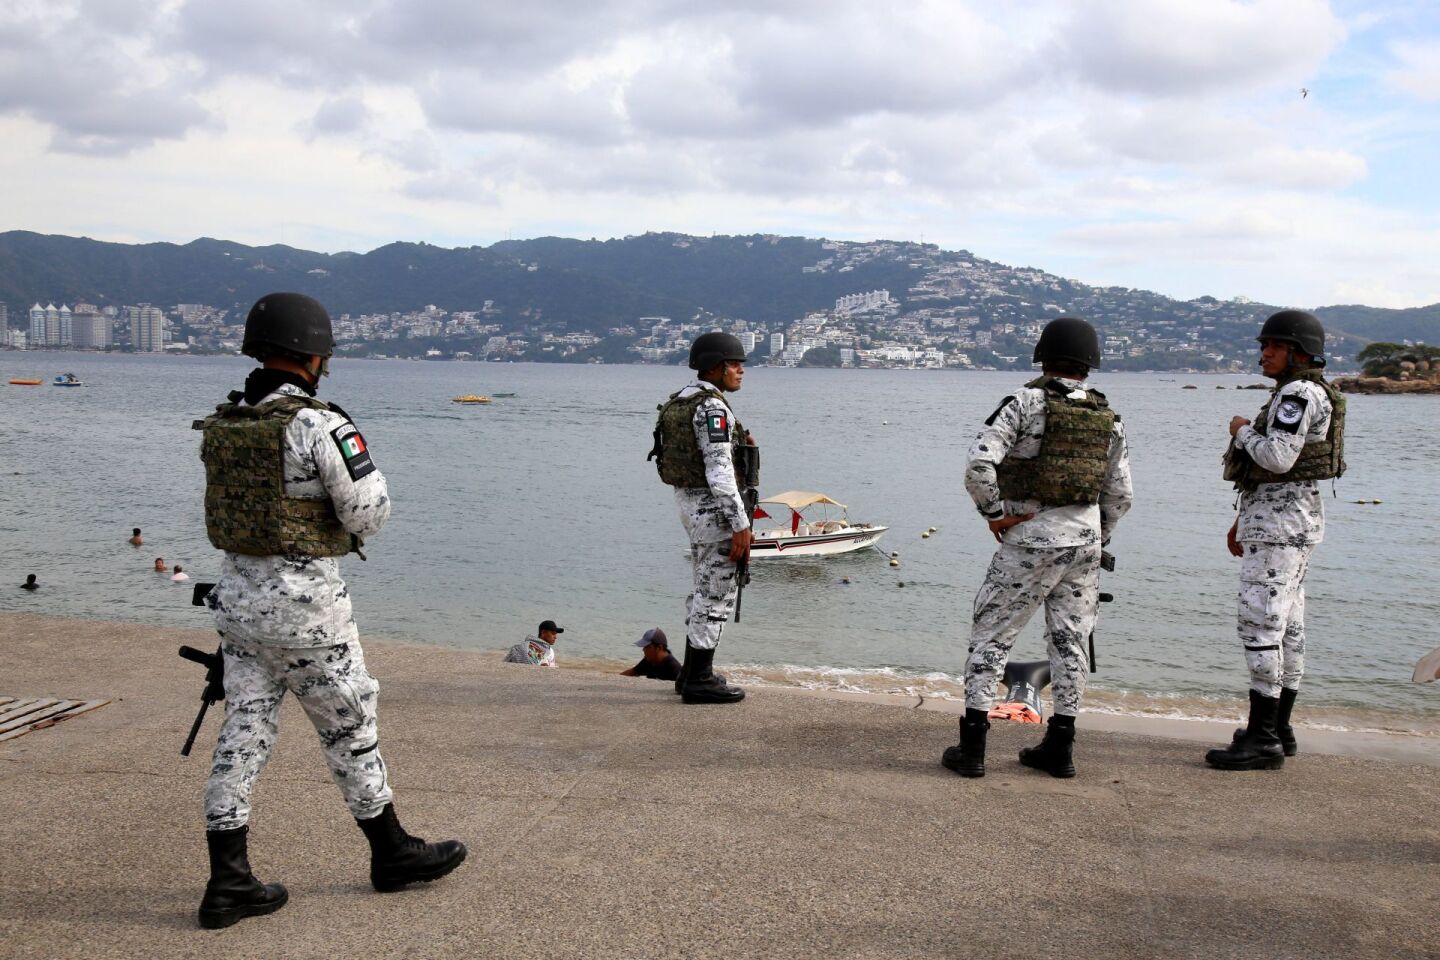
{"points": [[712, 600], [1065, 580], [338, 695], [1271, 624]]}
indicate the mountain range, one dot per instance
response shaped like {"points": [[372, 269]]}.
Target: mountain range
{"points": [[568, 285]]}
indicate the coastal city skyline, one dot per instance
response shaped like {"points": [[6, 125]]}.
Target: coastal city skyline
{"points": [[1274, 149], [811, 303]]}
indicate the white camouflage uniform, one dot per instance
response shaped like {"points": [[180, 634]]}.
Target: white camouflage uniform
{"points": [[1278, 528], [1052, 559], [710, 515], [286, 625]]}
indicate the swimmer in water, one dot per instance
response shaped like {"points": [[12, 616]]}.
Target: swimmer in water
{"points": [[135, 539], [30, 583]]}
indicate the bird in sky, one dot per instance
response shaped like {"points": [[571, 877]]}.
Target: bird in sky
{"points": [[1304, 92]]}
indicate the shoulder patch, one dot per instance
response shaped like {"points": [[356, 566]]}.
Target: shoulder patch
{"points": [[717, 426], [990, 420], [353, 450], [1289, 412]]}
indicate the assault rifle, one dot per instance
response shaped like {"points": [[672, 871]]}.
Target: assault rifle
{"points": [[214, 665], [1107, 563], [747, 467], [742, 567]]}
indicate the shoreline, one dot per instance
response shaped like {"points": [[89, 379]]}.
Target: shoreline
{"points": [[1408, 746], [1342, 730]]}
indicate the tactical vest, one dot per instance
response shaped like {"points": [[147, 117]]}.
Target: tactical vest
{"points": [[1074, 456], [246, 508], [1318, 460], [677, 453]]}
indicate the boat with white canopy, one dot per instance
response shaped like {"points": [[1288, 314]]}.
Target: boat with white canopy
{"points": [[804, 524]]}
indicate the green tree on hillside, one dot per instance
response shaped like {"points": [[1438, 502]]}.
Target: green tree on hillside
{"points": [[1384, 359]]}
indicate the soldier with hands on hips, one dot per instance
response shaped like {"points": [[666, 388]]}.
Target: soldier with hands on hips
{"points": [[713, 464], [290, 488], [1050, 474], [1276, 461]]}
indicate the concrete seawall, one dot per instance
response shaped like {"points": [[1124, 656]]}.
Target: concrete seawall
{"points": [[605, 819]]}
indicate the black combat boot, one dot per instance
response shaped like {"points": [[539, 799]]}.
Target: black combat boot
{"points": [[233, 893], [1054, 755], [396, 858], [968, 758], [1258, 747], [1283, 729], [680, 680], [701, 684]]}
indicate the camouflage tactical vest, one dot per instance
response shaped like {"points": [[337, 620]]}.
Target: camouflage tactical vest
{"points": [[1074, 455], [246, 508], [677, 453], [1318, 460]]}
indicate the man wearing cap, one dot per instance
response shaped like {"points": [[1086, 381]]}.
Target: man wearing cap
{"points": [[656, 661], [712, 462], [1276, 461], [539, 647]]}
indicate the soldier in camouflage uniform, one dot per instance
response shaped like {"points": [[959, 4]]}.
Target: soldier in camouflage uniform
{"points": [[290, 488], [1051, 476], [713, 464], [1275, 462]]}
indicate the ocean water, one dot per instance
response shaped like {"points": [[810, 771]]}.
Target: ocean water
{"points": [[543, 506]]}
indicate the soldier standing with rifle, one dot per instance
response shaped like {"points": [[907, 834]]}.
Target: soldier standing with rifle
{"points": [[1051, 476], [1298, 438], [290, 488], [714, 466]]}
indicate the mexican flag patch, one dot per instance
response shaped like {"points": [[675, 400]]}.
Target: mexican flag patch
{"points": [[353, 451], [717, 427]]}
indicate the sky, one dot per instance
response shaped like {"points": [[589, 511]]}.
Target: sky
{"points": [[1282, 150]]}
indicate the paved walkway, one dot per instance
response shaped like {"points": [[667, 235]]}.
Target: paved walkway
{"points": [[605, 819]]}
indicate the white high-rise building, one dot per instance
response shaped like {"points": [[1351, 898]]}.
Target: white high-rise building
{"points": [[147, 328], [92, 330], [67, 329], [777, 344], [36, 340], [748, 341], [52, 325]]}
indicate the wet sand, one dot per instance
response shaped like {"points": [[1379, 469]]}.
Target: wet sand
{"points": [[605, 819]]}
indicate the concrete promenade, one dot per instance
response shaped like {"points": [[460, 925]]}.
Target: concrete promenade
{"points": [[605, 819]]}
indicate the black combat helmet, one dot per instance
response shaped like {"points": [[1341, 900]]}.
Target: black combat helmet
{"points": [[712, 349], [1068, 338], [1298, 328], [290, 323]]}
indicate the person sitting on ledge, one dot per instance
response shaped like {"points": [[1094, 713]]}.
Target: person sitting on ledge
{"points": [[30, 583], [657, 663], [537, 649]]}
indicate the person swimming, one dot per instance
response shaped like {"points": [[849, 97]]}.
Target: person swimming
{"points": [[30, 583]]}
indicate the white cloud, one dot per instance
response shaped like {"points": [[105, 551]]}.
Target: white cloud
{"points": [[1151, 142], [1160, 47], [1418, 73]]}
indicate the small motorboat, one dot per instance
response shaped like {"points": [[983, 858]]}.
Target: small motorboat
{"points": [[471, 398], [27, 382], [797, 530], [499, 395], [67, 380]]}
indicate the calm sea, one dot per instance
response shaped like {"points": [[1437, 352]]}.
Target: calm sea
{"points": [[543, 506]]}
